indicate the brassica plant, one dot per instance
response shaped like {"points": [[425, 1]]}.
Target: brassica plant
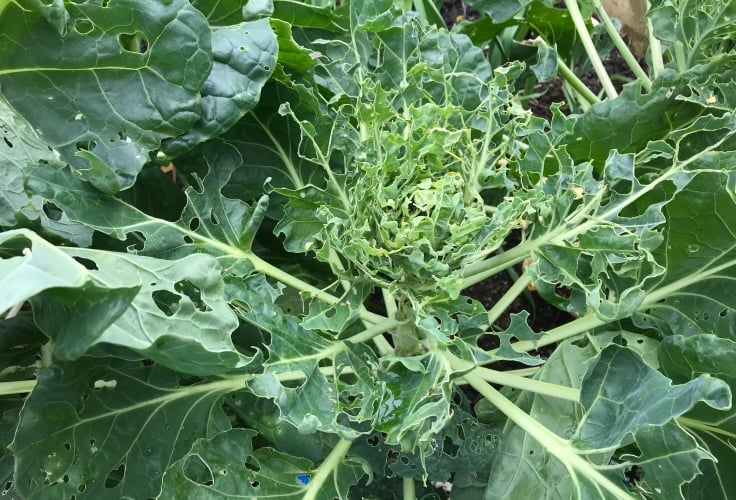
{"points": [[237, 239]]}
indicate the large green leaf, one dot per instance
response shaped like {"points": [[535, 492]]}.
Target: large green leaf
{"points": [[624, 401], [226, 466], [634, 118], [20, 148], [683, 358], [94, 428], [173, 311], [123, 77], [615, 409], [244, 56], [31, 265], [519, 456], [209, 220]]}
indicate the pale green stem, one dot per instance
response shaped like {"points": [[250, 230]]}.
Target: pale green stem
{"points": [[572, 329], [508, 298], [327, 371], [517, 382], [584, 105], [622, 47], [591, 321], [478, 271], [576, 82], [389, 302], [421, 11], [47, 352], [332, 462], [525, 372], [696, 424], [655, 48], [410, 492], [17, 387], [579, 22], [383, 345], [268, 269], [680, 57], [341, 345], [555, 445]]}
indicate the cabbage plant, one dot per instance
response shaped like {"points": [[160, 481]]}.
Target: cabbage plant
{"points": [[237, 239]]}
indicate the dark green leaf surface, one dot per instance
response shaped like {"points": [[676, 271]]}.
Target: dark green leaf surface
{"points": [[119, 81], [19, 148], [95, 428], [244, 56], [226, 466]]}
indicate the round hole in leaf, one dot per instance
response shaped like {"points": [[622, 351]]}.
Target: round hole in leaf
{"points": [[52, 211], [83, 26], [85, 145], [87, 263], [133, 42], [115, 476], [167, 302]]}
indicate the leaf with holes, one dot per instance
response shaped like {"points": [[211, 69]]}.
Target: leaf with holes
{"points": [[244, 56], [227, 466], [105, 94], [94, 428], [20, 147]]}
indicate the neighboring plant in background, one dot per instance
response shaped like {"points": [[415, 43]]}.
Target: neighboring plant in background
{"points": [[226, 341]]}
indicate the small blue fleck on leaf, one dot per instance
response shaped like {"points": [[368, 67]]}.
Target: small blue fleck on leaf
{"points": [[302, 479]]}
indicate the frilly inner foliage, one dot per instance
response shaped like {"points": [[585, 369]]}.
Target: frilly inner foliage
{"points": [[236, 238]]}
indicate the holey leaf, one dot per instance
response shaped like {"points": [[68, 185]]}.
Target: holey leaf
{"points": [[124, 76], [226, 466], [172, 311], [244, 56], [210, 221], [425, 98], [93, 429], [180, 316], [695, 294], [19, 148], [621, 395], [683, 358]]}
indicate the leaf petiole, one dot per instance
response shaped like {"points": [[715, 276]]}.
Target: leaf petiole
{"points": [[555, 445], [600, 70], [326, 468], [16, 387]]}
